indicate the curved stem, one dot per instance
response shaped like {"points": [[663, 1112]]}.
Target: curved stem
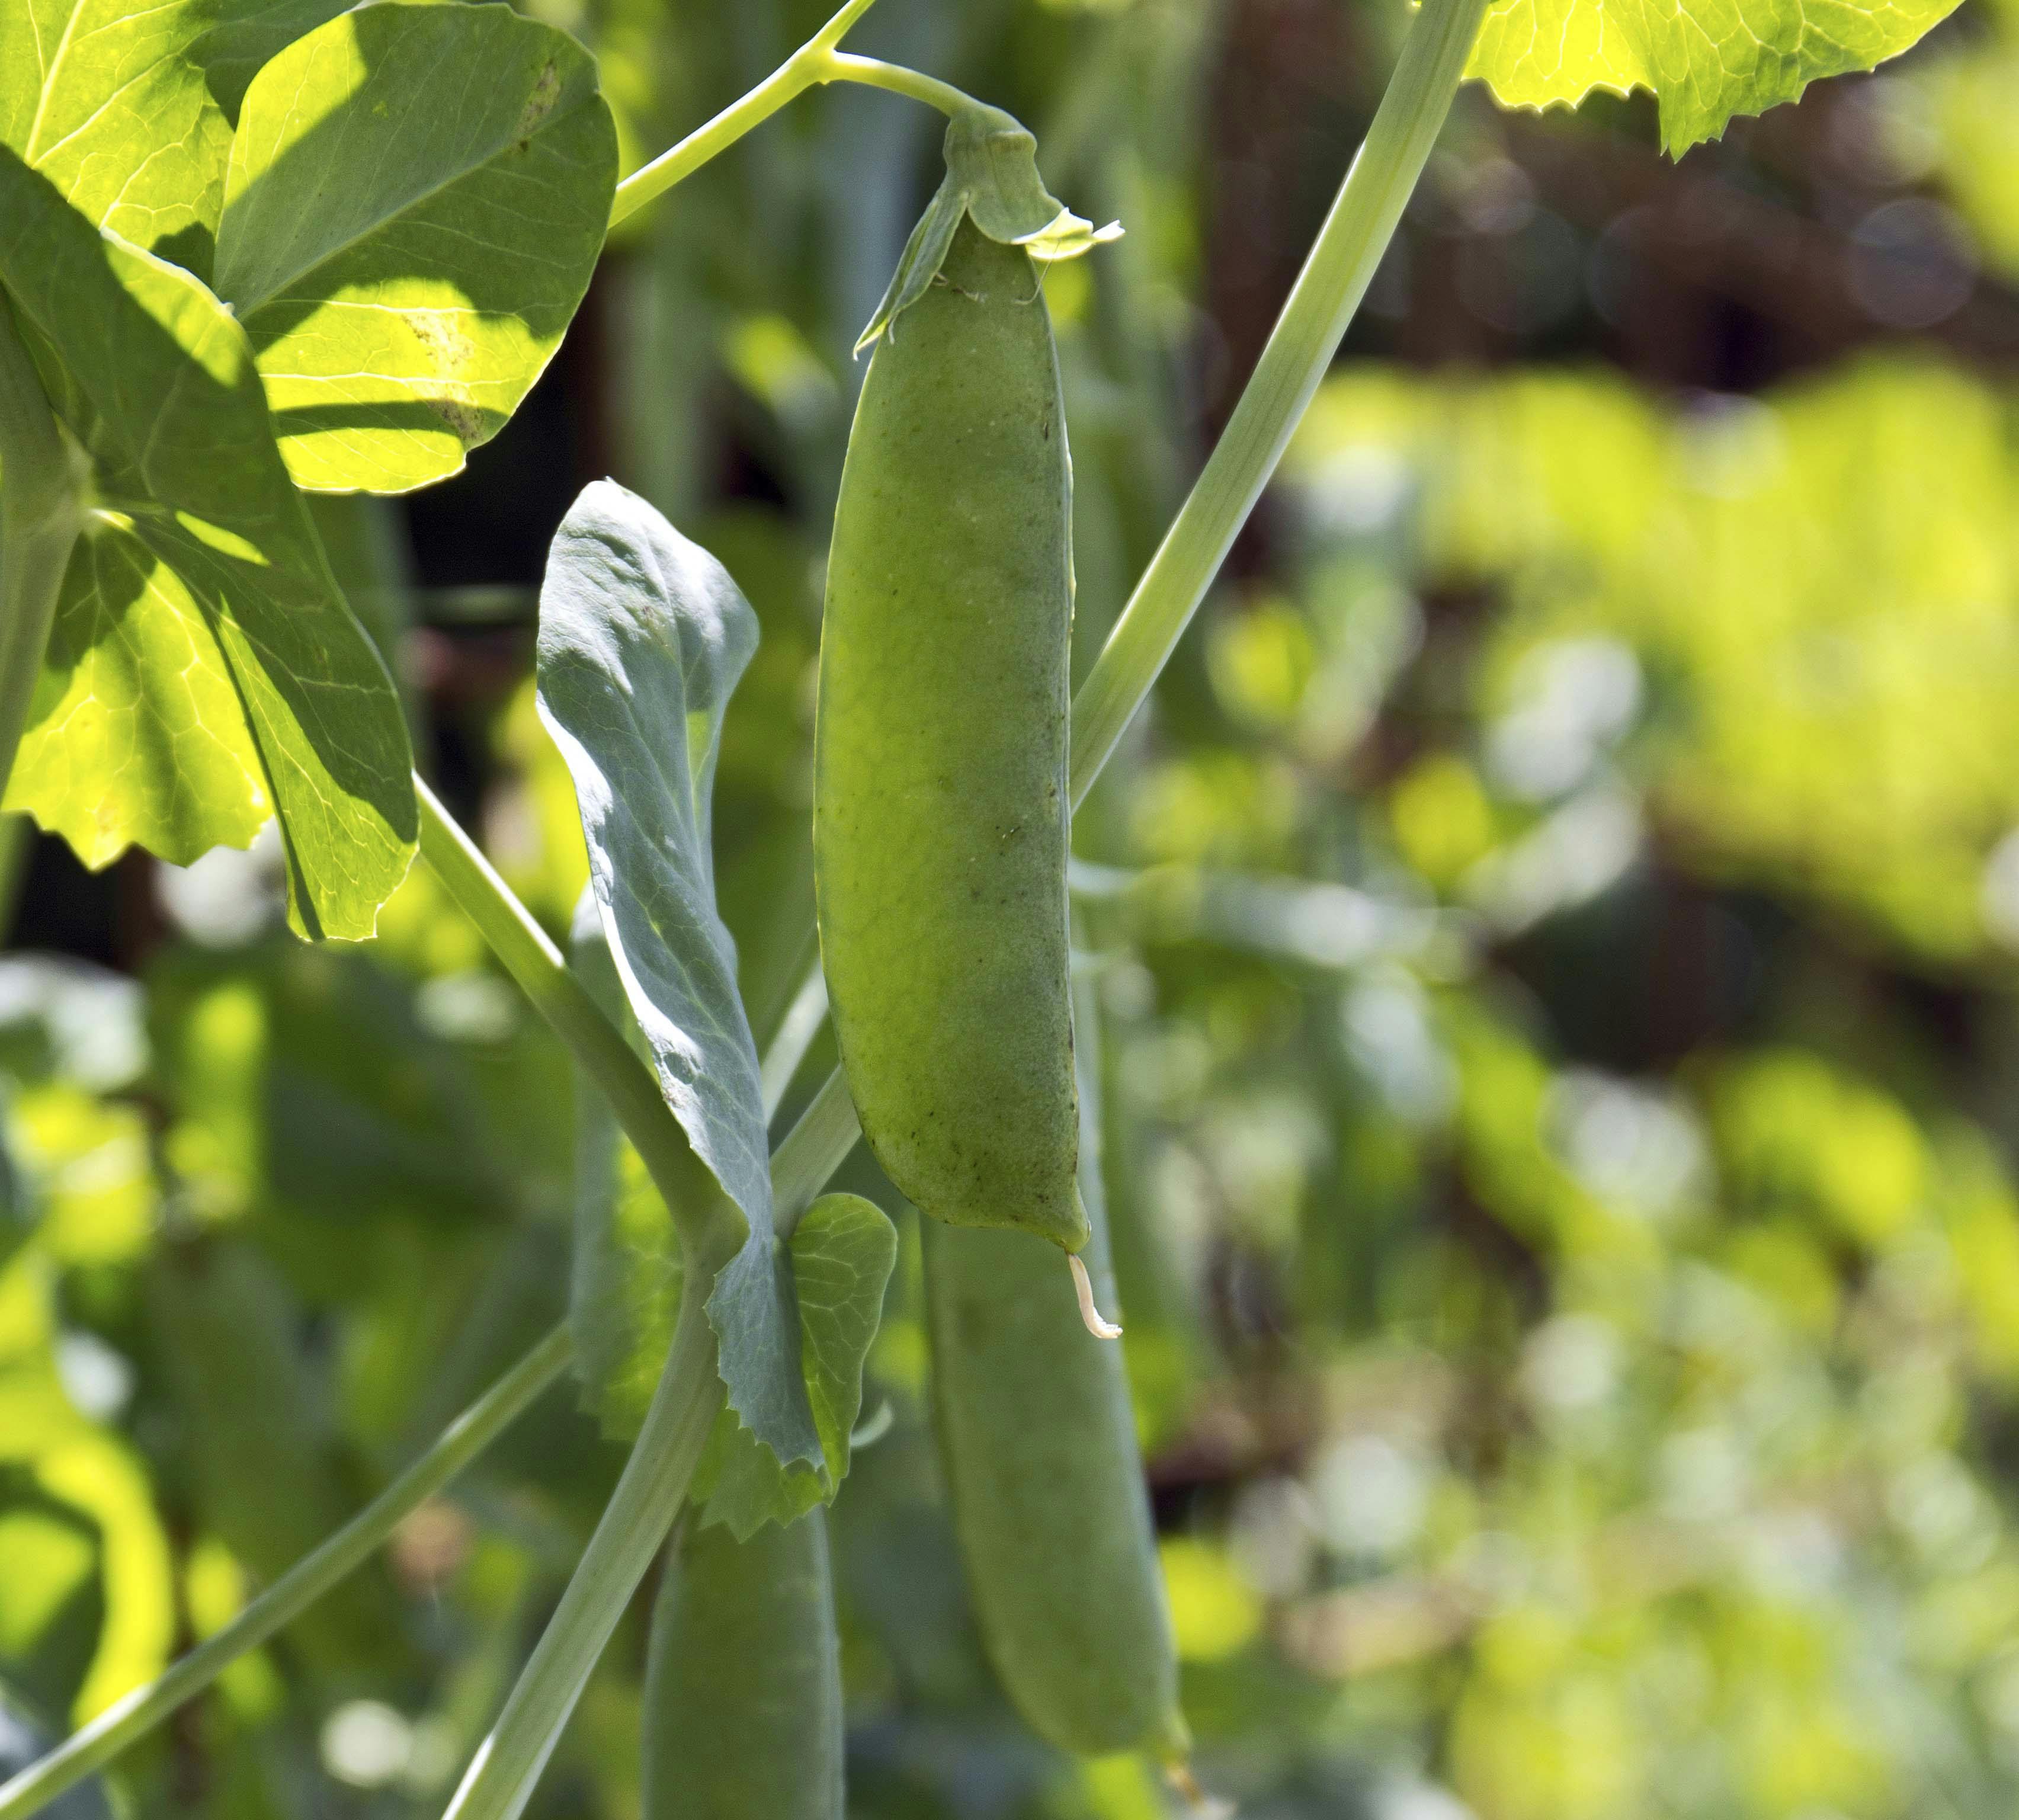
{"points": [[811, 1152], [874, 73], [300, 1586], [42, 511], [805, 67], [532, 960], [801, 1024], [1307, 334], [640, 1512]]}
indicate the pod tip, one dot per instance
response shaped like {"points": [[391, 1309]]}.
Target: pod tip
{"points": [[1083, 1288], [1200, 1805]]}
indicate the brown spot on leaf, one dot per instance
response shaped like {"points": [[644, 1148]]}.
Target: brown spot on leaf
{"points": [[540, 103], [466, 420]]}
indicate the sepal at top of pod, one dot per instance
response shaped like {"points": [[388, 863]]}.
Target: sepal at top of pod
{"points": [[991, 162]]}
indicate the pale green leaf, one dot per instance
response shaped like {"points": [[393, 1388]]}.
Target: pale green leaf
{"points": [[643, 635], [127, 109], [1704, 60], [417, 196], [204, 673]]}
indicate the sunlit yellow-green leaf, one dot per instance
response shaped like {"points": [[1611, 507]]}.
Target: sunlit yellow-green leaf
{"points": [[1705, 60], [417, 197], [203, 674]]}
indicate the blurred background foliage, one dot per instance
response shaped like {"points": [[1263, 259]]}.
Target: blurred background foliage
{"points": [[1557, 931]]}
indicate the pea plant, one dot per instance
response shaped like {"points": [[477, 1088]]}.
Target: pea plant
{"points": [[251, 251]]}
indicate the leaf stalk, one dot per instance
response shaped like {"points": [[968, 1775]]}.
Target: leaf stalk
{"points": [[531, 959], [130, 1718], [811, 64], [641, 1512], [1341, 265]]}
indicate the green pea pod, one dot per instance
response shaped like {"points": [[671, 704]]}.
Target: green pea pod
{"points": [[940, 802], [743, 1714], [1038, 1441]]}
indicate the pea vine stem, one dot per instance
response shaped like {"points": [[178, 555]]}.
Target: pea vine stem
{"points": [[97, 1743], [641, 1511], [874, 73], [536, 966], [1313, 322], [810, 65]]}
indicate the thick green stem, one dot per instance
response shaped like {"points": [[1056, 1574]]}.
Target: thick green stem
{"points": [[810, 64], [641, 1511], [303, 1584], [801, 1024], [532, 959], [1307, 334], [42, 511]]}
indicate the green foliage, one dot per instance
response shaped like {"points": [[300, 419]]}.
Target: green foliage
{"points": [[128, 113], [204, 673], [1705, 62], [1793, 605], [400, 311], [626, 1292], [841, 1254], [640, 631], [1595, 1422]]}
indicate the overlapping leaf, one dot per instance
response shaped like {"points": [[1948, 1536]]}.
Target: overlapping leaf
{"points": [[643, 635], [417, 198], [127, 109], [1704, 60], [204, 673]]}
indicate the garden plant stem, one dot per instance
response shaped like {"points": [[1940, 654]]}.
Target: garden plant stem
{"points": [[810, 65], [641, 1511], [300, 1586], [1341, 265]]}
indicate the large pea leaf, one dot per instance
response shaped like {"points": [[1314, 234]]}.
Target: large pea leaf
{"points": [[417, 198], [127, 109], [643, 635], [203, 674], [1704, 60], [626, 1295]]}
